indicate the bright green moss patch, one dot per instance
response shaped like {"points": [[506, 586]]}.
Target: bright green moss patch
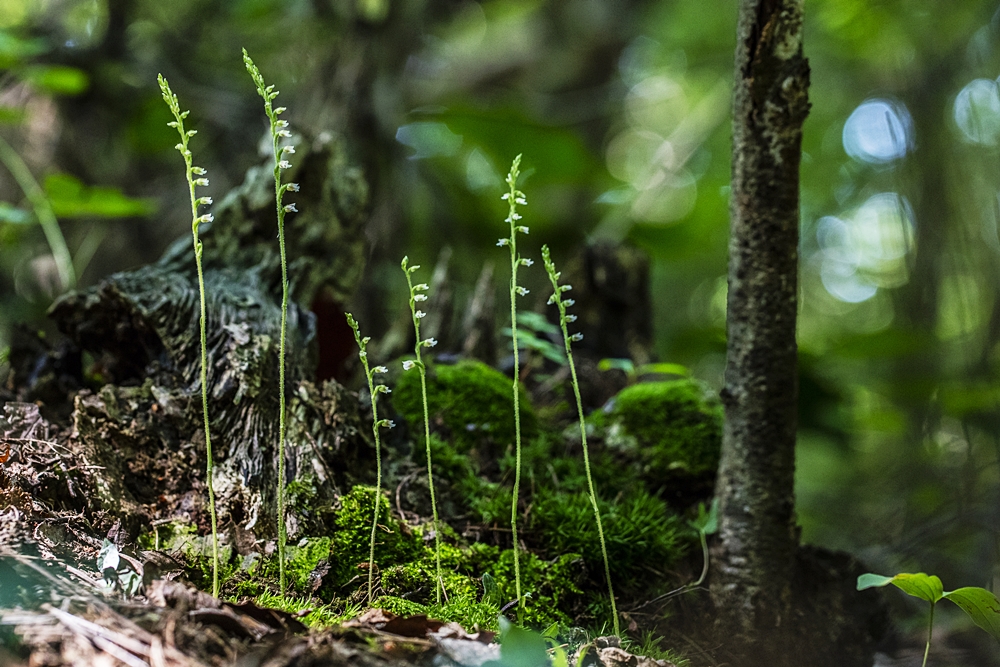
{"points": [[471, 400], [674, 428], [311, 614], [302, 560], [640, 530], [471, 614], [394, 543]]}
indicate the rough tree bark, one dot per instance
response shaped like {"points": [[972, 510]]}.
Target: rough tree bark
{"points": [[754, 564]]}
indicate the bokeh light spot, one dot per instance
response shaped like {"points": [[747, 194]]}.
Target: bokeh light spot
{"points": [[878, 131], [977, 112]]}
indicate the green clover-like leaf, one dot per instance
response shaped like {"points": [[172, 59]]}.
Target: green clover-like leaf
{"points": [[919, 585]]}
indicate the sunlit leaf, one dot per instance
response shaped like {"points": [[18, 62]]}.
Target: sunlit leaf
{"points": [[665, 369], [924, 586], [57, 79], [981, 605], [70, 198]]}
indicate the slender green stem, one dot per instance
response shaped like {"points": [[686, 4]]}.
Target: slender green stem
{"points": [[930, 630], [43, 213], [416, 294], [373, 390], [565, 319], [378, 485], [704, 559], [192, 172], [514, 197], [278, 132]]}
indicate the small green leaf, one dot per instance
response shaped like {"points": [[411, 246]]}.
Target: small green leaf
{"points": [[57, 79], [981, 606], [491, 591], [70, 198], [919, 585], [665, 369], [520, 647], [559, 658], [625, 365], [707, 521], [870, 580], [537, 322]]}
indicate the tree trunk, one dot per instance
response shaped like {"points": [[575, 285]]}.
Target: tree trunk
{"points": [[751, 586]]}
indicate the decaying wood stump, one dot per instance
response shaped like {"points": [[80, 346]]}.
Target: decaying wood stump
{"points": [[140, 423]]}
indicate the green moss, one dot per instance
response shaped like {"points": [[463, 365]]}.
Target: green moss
{"points": [[415, 580], [303, 558], [471, 614], [675, 427], [307, 611], [394, 543], [471, 400], [553, 587], [640, 530]]}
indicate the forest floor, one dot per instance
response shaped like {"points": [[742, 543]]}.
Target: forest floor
{"points": [[85, 581]]}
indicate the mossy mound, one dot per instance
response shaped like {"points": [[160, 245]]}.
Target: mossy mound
{"points": [[672, 430], [395, 543], [470, 403], [640, 531]]}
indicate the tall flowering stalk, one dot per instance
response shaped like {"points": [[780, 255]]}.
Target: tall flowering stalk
{"points": [[515, 198], [279, 131], [417, 295], [373, 390], [564, 320], [196, 177]]}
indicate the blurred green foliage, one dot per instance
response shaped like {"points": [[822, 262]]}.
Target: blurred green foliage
{"points": [[622, 112]]}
